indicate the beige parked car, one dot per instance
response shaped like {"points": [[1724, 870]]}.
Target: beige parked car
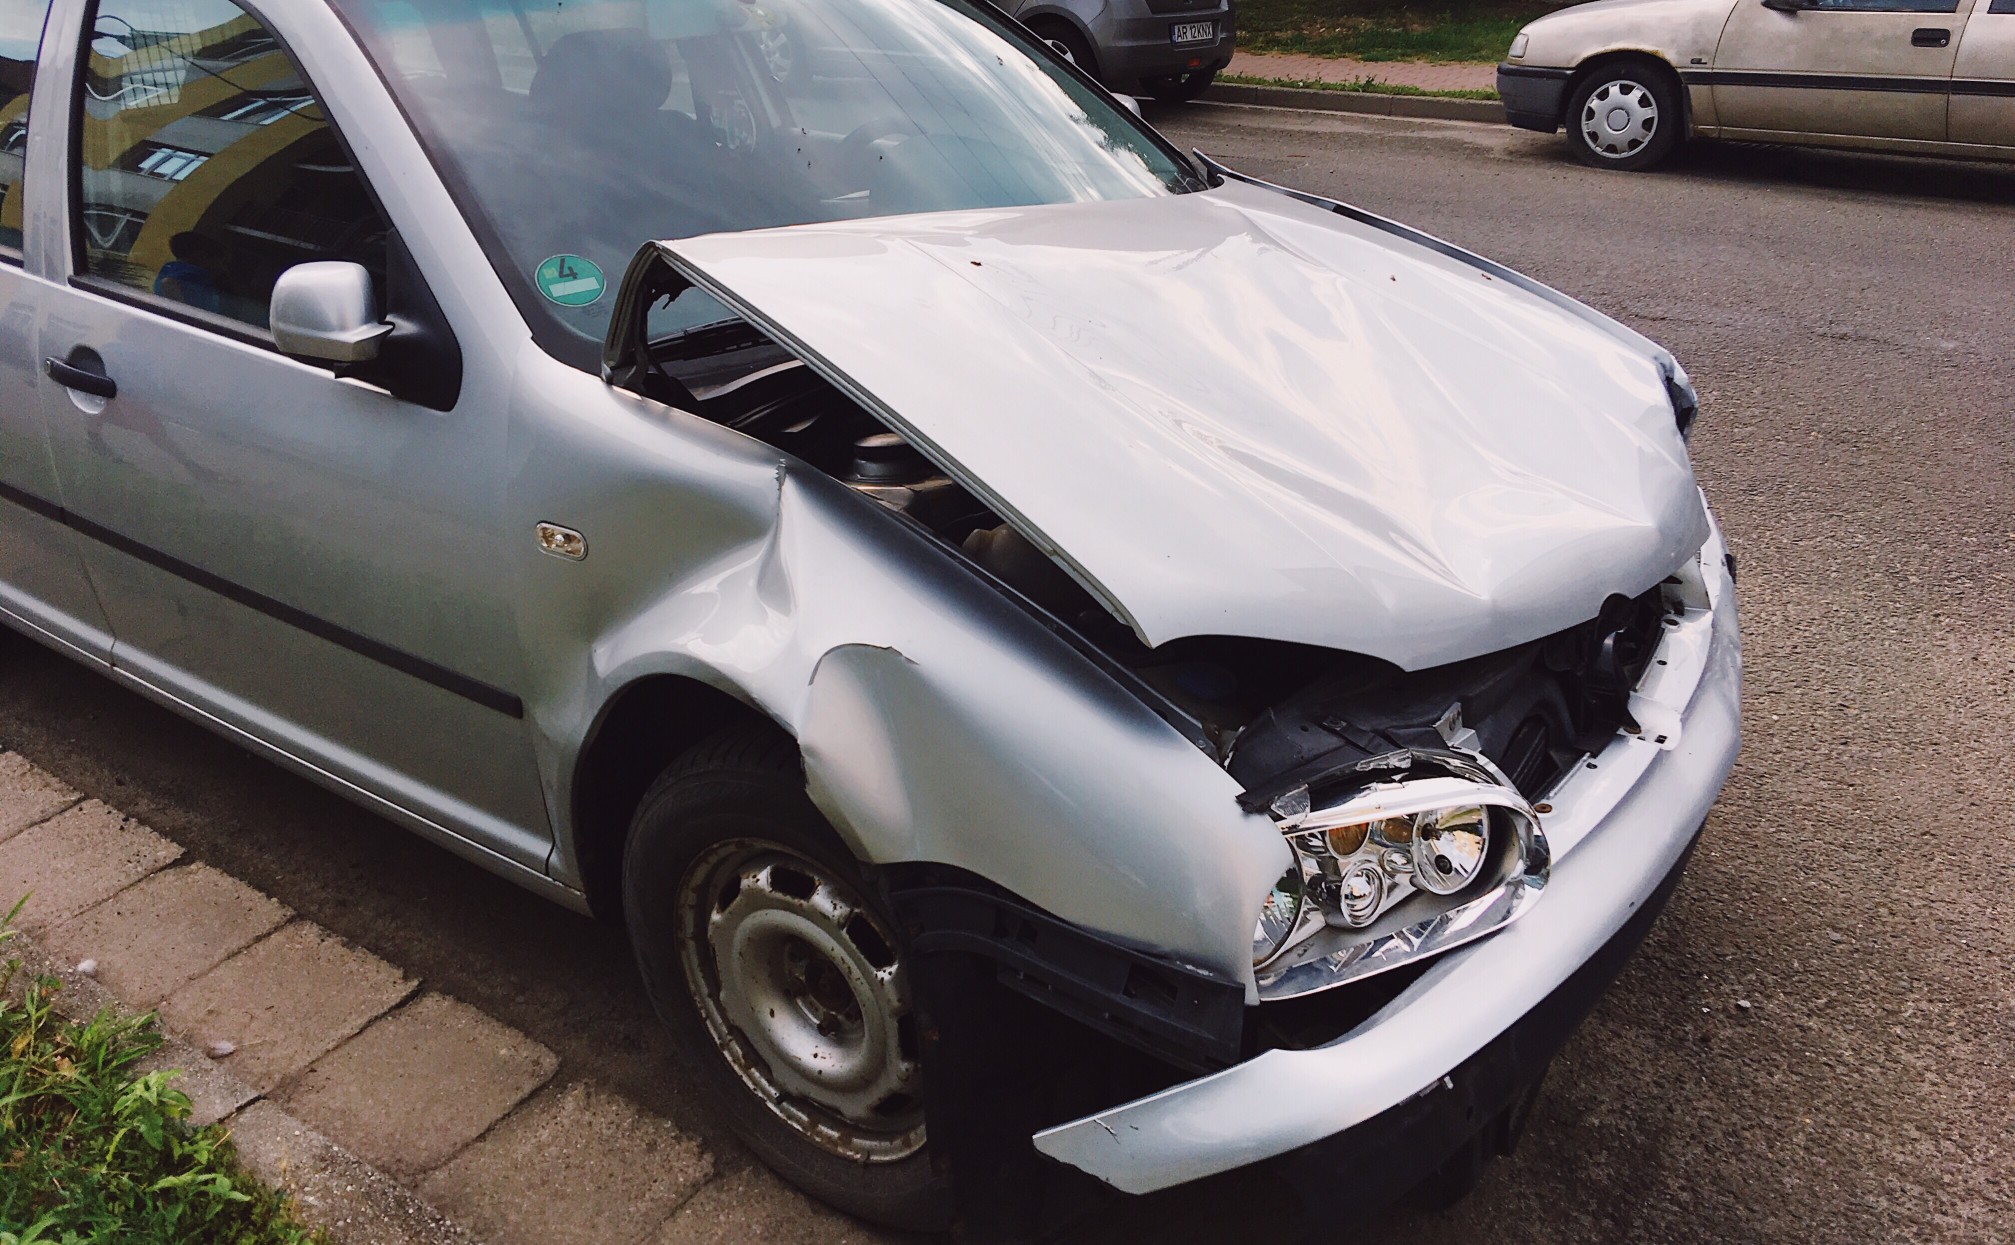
{"points": [[1630, 79]]}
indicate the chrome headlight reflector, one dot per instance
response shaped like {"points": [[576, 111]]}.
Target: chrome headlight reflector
{"points": [[1449, 847], [1280, 915], [1395, 872]]}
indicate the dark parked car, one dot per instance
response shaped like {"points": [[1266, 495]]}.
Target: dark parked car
{"points": [[1167, 49]]}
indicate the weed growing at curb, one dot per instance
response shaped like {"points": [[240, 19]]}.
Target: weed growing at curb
{"points": [[91, 1154], [1363, 86]]}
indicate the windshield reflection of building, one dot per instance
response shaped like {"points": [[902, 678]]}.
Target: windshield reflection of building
{"points": [[212, 169]]}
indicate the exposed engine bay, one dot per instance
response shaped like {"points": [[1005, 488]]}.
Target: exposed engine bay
{"points": [[1275, 714]]}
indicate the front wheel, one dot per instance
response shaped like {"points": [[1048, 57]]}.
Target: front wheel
{"points": [[1069, 44], [781, 977], [1625, 116]]}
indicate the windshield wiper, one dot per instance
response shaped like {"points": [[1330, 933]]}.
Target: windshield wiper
{"points": [[703, 340]]}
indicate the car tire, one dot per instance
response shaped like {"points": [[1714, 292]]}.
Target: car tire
{"points": [[780, 976], [788, 63], [1625, 115], [1075, 47], [1179, 88]]}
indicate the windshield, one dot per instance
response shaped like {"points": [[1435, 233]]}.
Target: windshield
{"points": [[574, 131]]}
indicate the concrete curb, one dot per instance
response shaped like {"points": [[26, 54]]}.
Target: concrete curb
{"points": [[1428, 107]]}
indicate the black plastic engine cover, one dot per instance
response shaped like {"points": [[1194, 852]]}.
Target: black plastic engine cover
{"points": [[1535, 708]]}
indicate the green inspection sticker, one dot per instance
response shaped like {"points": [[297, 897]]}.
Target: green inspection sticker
{"points": [[570, 280]]}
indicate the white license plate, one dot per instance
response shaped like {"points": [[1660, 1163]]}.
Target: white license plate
{"points": [[1192, 32]]}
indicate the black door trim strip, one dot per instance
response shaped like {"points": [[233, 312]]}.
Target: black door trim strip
{"points": [[1847, 82], [364, 646]]}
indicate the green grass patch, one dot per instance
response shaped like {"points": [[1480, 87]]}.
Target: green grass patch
{"points": [[91, 1154], [1365, 86], [1378, 30]]}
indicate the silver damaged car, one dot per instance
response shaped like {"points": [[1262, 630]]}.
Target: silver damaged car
{"points": [[1079, 670]]}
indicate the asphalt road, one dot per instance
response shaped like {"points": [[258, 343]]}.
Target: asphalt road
{"points": [[1817, 1044]]}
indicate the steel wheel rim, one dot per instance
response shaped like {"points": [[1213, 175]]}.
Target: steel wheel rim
{"points": [[1618, 119], [803, 993]]}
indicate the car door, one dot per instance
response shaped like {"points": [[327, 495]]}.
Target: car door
{"points": [[1983, 77], [310, 559], [1854, 68], [44, 587]]}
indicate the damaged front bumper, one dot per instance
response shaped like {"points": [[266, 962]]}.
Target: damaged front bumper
{"points": [[1619, 828]]}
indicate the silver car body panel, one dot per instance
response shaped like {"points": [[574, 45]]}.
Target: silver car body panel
{"points": [[1617, 827], [1235, 413], [938, 722]]}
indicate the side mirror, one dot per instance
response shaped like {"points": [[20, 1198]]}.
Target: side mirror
{"points": [[1132, 103], [328, 312]]}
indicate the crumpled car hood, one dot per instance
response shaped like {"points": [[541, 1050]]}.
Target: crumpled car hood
{"points": [[1234, 413]]}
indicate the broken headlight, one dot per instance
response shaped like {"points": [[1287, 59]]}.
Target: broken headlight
{"points": [[1394, 871], [1685, 400]]}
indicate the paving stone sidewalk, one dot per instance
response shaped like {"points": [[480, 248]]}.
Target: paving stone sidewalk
{"points": [[394, 1114], [1299, 67]]}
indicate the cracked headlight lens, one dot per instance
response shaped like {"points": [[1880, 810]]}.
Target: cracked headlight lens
{"points": [[1392, 871]]}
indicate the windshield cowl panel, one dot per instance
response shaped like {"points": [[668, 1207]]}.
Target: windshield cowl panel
{"points": [[573, 134]]}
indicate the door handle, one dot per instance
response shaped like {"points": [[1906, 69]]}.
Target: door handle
{"points": [[88, 378], [1930, 37]]}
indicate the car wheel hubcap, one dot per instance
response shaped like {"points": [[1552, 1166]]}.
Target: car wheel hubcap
{"points": [[1619, 119], [777, 54], [804, 995]]}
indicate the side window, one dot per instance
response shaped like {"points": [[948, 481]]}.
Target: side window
{"points": [[207, 167], [21, 23]]}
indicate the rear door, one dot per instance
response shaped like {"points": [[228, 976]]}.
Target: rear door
{"points": [[1983, 78], [1851, 68]]}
